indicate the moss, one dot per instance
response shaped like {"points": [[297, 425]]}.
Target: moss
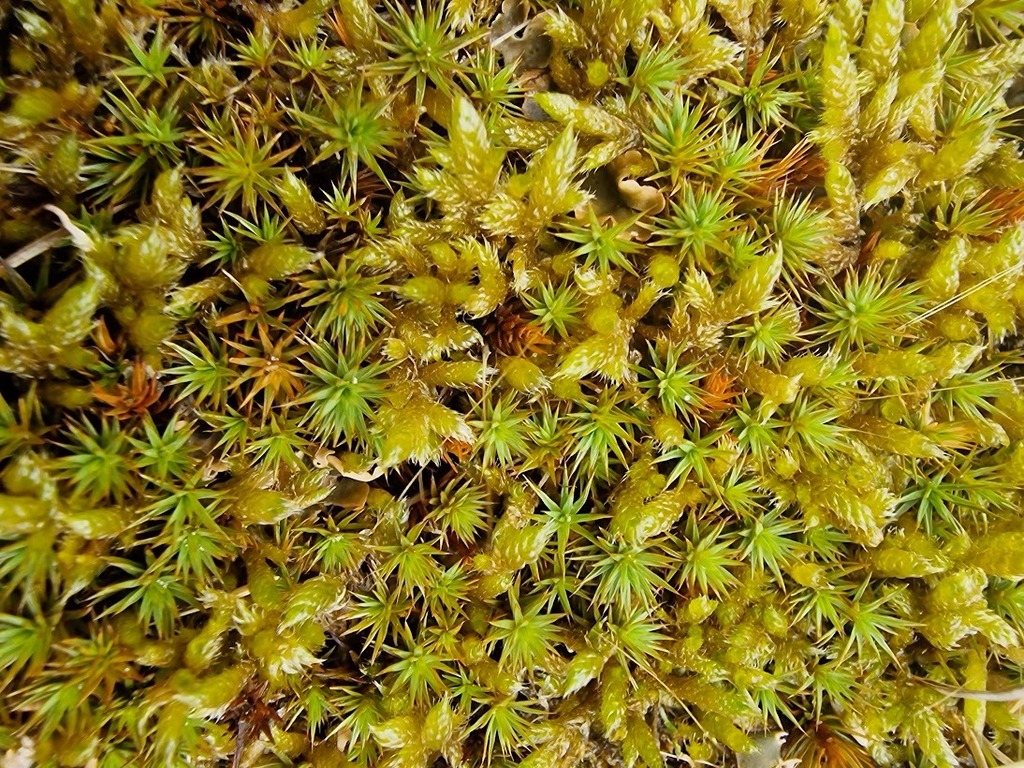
{"points": [[560, 383]]}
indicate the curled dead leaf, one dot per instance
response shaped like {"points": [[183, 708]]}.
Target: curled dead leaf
{"points": [[326, 458], [518, 39], [640, 197], [618, 192]]}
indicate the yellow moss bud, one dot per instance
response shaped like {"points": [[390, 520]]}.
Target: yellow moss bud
{"points": [[668, 431], [425, 289], [604, 318], [261, 507], [300, 204], [21, 515], [1000, 554], [96, 523], [699, 609], [311, 599], [614, 701], [585, 667], [439, 726], [522, 375], [663, 271]]}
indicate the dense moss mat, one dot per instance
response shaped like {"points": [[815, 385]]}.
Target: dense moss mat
{"points": [[555, 383]]}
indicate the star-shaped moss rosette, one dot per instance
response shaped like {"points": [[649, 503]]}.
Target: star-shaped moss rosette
{"points": [[594, 383]]}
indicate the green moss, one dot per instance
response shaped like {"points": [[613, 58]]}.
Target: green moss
{"points": [[597, 383]]}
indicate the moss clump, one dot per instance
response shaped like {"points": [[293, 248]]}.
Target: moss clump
{"points": [[609, 382]]}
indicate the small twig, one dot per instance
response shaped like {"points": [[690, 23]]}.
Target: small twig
{"points": [[1002, 758], [1016, 693], [514, 31], [961, 295], [37, 247], [25, 254]]}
